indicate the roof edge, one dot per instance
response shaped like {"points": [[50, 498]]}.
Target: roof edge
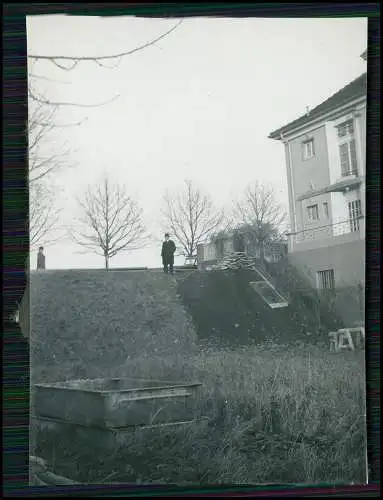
{"points": [[276, 134], [294, 125]]}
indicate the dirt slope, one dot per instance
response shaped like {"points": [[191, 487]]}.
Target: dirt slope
{"points": [[224, 308]]}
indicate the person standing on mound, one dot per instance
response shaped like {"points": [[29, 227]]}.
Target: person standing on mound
{"points": [[167, 254], [41, 259]]}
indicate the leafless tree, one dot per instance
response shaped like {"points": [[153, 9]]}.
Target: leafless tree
{"points": [[42, 124], [191, 217], [259, 215], [43, 215], [110, 222], [46, 156]]}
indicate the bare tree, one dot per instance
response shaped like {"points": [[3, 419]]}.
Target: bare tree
{"points": [[43, 215], [111, 221], [46, 156], [41, 125], [259, 216], [191, 217]]}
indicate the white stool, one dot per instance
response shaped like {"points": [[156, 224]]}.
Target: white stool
{"points": [[345, 339]]}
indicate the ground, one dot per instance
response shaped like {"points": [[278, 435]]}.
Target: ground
{"points": [[287, 412]]}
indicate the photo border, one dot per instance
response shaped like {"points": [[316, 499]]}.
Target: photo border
{"points": [[16, 239]]}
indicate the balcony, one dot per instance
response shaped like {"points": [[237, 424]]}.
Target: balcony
{"points": [[340, 231], [342, 185]]}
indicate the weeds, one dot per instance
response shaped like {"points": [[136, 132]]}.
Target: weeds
{"points": [[273, 417], [291, 413]]}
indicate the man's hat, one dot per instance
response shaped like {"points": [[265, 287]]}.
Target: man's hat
{"points": [[166, 234]]}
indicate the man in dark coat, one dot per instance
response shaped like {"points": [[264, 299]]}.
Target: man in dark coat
{"points": [[41, 259], [167, 254]]}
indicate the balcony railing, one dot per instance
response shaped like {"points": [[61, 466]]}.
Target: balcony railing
{"points": [[337, 228]]}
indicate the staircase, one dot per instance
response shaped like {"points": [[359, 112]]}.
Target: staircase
{"points": [[263, 286]]}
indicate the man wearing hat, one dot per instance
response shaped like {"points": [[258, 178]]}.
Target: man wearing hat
{"points": [[167, 254]]}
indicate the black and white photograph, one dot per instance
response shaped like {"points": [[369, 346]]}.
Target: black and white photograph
{"points": [[195, 306]]}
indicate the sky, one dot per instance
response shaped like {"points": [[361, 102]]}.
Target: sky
{"points": [[198, 105]]}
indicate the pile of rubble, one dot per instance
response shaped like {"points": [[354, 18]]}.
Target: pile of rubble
{"points": [[235, 260]]}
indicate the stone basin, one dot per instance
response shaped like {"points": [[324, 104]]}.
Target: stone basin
{"points": [[115, 403]]}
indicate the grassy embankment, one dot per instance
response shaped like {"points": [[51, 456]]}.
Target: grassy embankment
{"points": [[284, 413]]}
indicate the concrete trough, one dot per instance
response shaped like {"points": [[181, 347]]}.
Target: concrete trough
{"points": [[103, 441], [116, 403]]}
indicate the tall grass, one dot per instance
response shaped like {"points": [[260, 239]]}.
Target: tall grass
{"points": [[275, 414], [286, 413]]}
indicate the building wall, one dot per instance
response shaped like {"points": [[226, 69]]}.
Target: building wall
{"points": [[307, 174], [361, 124], [328, 243], [290, 188], [339, 201], [347, 260], [314, 169], [321, 171]]}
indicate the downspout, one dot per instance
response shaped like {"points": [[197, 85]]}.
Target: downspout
{"points": [[290, 174]]}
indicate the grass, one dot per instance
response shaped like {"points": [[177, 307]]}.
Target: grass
{"points": [[275, 415], [96, 320], [224, 306], [287, 413]]}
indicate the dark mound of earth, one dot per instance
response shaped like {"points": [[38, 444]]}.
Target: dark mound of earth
{"points": [[226, 310]]}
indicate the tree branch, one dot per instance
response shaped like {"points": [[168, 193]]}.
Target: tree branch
{"points": [[75, 104], [97, 59]]}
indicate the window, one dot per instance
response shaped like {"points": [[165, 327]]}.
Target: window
{"points": [[348, 161], [347, 149], [326, 210], [308, 149], [346, 128], [312, 213], [326, 281], [355, 212]]}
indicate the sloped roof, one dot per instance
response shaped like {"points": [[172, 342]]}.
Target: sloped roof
{"points": [[353, 90]]}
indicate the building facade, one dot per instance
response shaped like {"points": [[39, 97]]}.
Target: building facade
{"points": [[325, 153]]}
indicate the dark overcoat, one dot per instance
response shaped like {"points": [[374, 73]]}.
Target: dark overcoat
{"points": [[40, 261], [167, 252]]}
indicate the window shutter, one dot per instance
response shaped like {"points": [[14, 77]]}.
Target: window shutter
{"points": [[344, 159], [354, 164]]}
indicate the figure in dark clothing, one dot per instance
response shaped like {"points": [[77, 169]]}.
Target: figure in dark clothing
{"points": [[167, 254], [41, 259]]}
